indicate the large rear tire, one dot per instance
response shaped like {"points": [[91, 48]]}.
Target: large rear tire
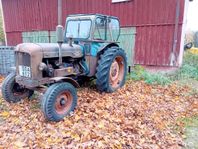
{"points": [[12, 92], [59, 101], [111, 70]]}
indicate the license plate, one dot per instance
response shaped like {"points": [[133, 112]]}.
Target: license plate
{"points": [[24, 71]]}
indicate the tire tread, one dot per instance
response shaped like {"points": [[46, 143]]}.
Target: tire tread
{"points": [[104, 64], [49, 97]]}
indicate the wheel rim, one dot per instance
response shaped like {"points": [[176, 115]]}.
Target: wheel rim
{"points": [[63, 102], [18, 90], [116, 72]]}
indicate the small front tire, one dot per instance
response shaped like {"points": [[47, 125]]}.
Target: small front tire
{"points": [[12, 92], [59, 101]]}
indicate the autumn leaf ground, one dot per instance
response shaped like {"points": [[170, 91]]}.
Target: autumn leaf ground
{"points": [[137, 116]]}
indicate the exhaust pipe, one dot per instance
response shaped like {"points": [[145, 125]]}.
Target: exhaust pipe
{"points": [[59, 12], [59, 34], [59, 31]]}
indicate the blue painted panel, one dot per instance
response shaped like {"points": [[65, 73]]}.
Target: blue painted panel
{"points": [[94, 48]]}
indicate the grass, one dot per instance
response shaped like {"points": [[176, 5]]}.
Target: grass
{"points": [[191, 132], [189, 70], [190, 122], [140, 73]]}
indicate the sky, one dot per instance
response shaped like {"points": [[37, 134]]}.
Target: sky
{"points": [[192, 18]]}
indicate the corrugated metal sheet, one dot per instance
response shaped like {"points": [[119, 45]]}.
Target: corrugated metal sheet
{"points": [[154, 19], [7, 59]]}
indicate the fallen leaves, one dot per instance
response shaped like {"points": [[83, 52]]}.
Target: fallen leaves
{"points": [[136, 116], [1, 78], [5, 114]]}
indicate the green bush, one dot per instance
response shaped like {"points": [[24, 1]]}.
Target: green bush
{"points": [[189, 70], [191, 59]]}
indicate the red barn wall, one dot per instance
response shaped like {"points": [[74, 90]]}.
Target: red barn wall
{"points": [[154, 21]]}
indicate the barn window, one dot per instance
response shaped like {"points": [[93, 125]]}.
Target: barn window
{"points": [[117, 1]]}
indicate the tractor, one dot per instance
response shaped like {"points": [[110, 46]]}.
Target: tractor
{"points": [[86, 48]]}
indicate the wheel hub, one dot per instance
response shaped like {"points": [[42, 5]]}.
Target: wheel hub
{"points": [[63, 102], [116, 72]]}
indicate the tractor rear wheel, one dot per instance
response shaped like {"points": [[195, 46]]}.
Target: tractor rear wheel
{"points": [[111, 70], [59, 101], [12, 92]]}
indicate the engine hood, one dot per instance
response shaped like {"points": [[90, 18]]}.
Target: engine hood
{"points": [[50, 50]]}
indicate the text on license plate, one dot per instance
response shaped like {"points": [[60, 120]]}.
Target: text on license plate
{"points": [[24, 71]]}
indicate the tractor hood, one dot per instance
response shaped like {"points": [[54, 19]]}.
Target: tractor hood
{"points": [[50, 50]]}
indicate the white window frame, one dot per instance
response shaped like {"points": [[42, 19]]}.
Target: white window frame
{"points": [[118, 1]]}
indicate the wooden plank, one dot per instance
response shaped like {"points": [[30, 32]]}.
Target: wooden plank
{"points": [[127, 42]]}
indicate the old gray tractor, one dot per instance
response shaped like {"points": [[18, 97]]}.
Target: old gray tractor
{"points": [[87, 48]]}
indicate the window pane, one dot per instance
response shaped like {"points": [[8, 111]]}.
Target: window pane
{"points": [[72, 28], [113, 30], [99, 32], [79, 29], [84, 29]]}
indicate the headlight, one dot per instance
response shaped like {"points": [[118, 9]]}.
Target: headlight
{"points": [[42, 66]]}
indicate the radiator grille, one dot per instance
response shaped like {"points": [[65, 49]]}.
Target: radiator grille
{"points": [[23, 59]]}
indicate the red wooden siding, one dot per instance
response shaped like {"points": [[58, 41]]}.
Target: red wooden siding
{"points": [[154, 20], [154, 45], [27, 15], [14, 37]]}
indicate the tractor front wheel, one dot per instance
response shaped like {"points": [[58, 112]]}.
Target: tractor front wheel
{"points": [[111, 70], [59, 101], [12, 92]]}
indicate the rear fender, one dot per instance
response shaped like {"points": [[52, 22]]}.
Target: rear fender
{"points": [[66, 79], [106, 46]]}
